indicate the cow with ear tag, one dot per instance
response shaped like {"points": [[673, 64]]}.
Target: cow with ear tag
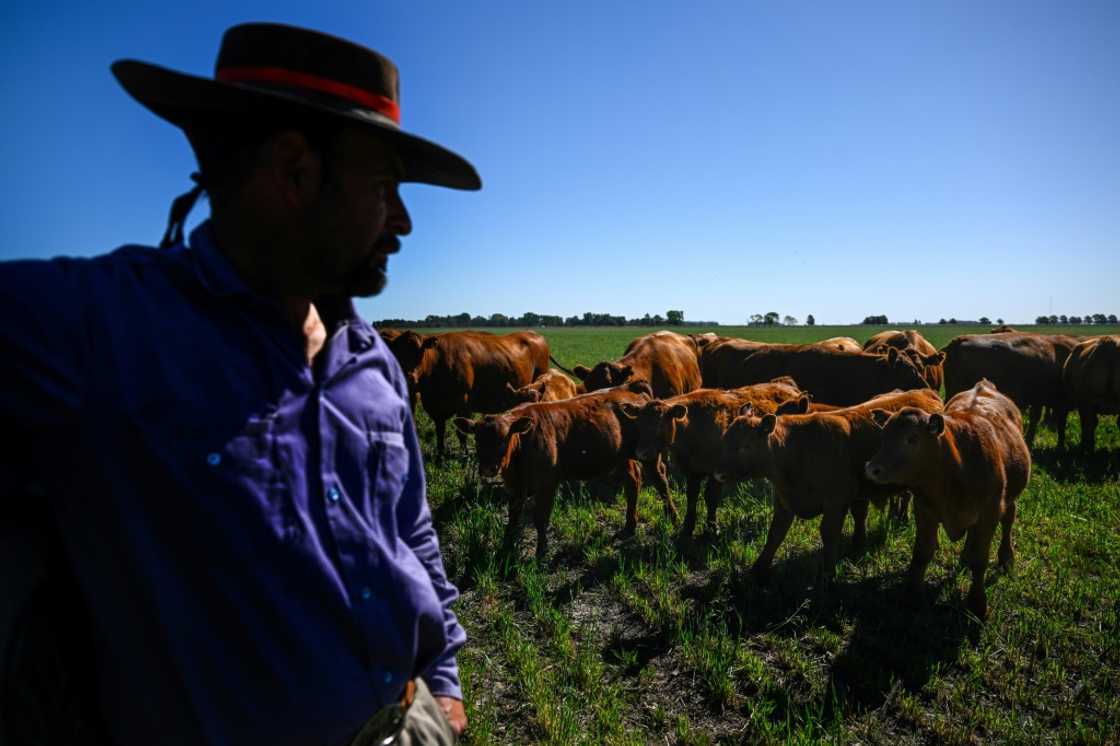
{"points": [[535, 447], [666, 359], [966, 467]]}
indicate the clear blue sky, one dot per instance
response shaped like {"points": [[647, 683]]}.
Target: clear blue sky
{"points": [[915, 159]]}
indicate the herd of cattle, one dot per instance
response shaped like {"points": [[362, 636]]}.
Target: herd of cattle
{"points": [[833, 425]]}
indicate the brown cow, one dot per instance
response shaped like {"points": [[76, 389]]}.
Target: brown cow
{"points": [[844, 344], [834, 377], [966, 467], [1025, 367], [691, 426], [535, 447], [666, 359], [1002, 328], [914, 344], [721, 362], [816, 463], [1091, 375], [459, 373], [551, 386]]}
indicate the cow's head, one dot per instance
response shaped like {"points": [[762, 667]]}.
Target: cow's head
{"points": [[657, 426], [800, 405], [745, 451], [408, 347], [496, 439], [524, 395], [603, 376], [898, 370], [908, 446]]}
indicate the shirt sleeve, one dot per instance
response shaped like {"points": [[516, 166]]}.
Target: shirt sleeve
{"points": [[442, 676], [45, 350]]}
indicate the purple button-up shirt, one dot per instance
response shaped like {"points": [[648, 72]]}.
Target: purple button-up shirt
{"points": [[252, 538]]}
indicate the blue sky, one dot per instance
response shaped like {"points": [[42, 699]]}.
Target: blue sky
{"points": [[913, 159]]}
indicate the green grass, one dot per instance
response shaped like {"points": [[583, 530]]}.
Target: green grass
{"points": [[650, 641]]}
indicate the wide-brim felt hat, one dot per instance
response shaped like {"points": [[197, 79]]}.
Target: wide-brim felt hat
{"points": [[272, 72]]}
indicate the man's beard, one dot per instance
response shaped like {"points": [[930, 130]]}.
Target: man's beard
{"points": [[369, 279]]}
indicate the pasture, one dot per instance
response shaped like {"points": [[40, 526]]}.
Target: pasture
{"points": [[647, 640]]}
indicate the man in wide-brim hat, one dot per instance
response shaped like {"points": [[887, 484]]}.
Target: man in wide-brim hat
{"points": [[225, 446]]}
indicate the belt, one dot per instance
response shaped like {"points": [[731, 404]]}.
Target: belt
{"points": [[383, 728]]}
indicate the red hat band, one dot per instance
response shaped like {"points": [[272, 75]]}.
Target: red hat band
{"points": [[383, 105]]}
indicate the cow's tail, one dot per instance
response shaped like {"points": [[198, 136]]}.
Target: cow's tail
{"points": [[561, 367]]}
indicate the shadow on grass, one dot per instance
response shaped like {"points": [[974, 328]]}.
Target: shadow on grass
{"points": [[1074, 465]]}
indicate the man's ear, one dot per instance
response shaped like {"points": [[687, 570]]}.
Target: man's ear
{"points": [[295, 168]]}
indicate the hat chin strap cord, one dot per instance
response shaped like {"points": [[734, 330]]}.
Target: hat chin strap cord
{"points": [[180, 208]]}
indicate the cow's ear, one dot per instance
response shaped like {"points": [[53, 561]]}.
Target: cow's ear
{"points": [[640, 386], [465, 426], [880, 417], [936, 424], [678, 412], [800, 405], [430, 342], [581, 371], [628, 410], [624, 372], [746, 410], [936, 358], [533, 394], [892, 355], [768, 423], [521, 425]]}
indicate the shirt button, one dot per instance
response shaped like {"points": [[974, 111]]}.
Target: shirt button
{"points": [[333, 494], [214, 459], [367, 594]]}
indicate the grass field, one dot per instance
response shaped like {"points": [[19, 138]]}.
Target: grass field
{"points": [[650, 641]]}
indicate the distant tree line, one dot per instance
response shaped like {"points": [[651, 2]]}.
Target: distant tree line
{"points": [[1093, 318], [875, 320], [530, 319], [773, 318]]}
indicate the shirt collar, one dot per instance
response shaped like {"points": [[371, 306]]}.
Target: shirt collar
{"points": [[215, 271]]}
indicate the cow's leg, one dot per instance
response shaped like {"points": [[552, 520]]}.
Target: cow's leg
{"points": [[441, 437], [693, 490], [832, 528], [859, 524], [661, 483], [513, 527], [713, 491], [975, 555], [545, 496], [1034, 414], [925, 544], [1006, 549], [779, 527], [1088, 429], [1061, 417], [632, 483]]}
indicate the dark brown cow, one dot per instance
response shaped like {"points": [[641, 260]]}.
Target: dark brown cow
{"points": [[816, 463], [691, 427], [966, 466], [721, 362], [666, 359], [535, 447], [832, 376], [551, 386], [458, 373], [1025, 367], [1091, 375], [914, 344]]}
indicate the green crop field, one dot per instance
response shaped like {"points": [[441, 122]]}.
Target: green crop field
{"points": [[648, 640]]}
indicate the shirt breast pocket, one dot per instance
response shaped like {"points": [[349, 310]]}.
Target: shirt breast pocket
{"points": [[388, 467]]}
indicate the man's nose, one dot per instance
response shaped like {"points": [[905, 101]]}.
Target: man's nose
{"points": [[399, 221]]}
